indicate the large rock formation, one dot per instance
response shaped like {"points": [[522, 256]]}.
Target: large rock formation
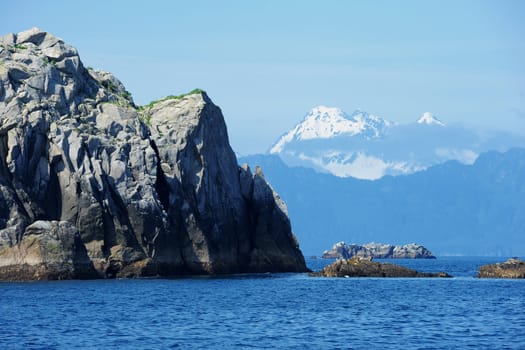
{"points": [[103, 185], [512, 268], [365, 267], [341, 250]]}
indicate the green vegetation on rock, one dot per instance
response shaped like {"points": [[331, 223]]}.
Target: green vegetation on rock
{"points": [[145, 118], [108, 84], [173, 97], [53, 247], [126, 95]]}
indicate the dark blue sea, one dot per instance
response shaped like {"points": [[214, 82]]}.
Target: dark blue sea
{"points": [[269, 311]]}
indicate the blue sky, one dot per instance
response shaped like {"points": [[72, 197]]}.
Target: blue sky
{"points": [[266, 63]]}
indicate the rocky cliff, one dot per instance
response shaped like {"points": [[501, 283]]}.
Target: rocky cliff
{"points": [[341, 250], [93, 186]]}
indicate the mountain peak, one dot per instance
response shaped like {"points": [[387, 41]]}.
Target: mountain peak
{"points": [[429, 119], [324, 122], [324, 112]]}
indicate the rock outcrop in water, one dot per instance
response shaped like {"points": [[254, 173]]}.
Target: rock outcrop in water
{"points": [[365, 267], [93, 186], [341, 250], [512, 268]]}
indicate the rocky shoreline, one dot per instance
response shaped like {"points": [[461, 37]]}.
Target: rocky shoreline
{"points": [[366, 267]]}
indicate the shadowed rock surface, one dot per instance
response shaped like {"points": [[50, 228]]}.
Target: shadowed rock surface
{"points": [[365, 267], [341, 250], [512, 268], [140, 191]]}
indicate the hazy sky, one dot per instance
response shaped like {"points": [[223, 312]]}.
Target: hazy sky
{"points": [[266, 63]]}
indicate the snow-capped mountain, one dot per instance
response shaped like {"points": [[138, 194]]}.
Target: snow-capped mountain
{"points": [[366, 146], [327, 122]]}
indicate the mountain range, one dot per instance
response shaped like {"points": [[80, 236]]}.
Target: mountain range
{"points": [[365, 146], [451, 208]]}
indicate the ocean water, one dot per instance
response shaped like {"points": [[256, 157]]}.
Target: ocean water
{"points": [[268, 311]]}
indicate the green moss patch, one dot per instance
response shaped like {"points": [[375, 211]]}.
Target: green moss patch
{"points": [[173, 97]]}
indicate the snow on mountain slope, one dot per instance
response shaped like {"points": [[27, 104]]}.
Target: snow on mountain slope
{"points": [[428, 118], [365, 146], [326, 122]]}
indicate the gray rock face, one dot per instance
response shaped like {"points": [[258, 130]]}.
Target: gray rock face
{"points": [[48, 250], [152, 190], [341, 250]]}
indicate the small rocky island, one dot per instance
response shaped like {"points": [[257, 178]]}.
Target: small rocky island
{"points": [[94, 186], [512, 268], [365, 267], [341, 250]]}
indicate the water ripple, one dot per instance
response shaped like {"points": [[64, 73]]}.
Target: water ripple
{"points": [[290, 311]]}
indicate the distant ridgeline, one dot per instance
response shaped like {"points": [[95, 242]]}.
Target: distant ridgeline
{"points": [[341, 250], [455, 209]]}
